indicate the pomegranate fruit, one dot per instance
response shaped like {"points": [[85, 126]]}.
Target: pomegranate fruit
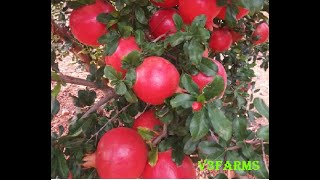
{"points": [[202, 80], [196, 106], [165, 3], [147, 120], [121, 153], [166, 168], [189, 9], [242, 12], [156, 80], [262, 32], [161, 22], [221, 40], [236, 36], [83, 24], [125, 47]]}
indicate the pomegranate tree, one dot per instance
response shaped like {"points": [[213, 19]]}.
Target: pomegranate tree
{"points": [[83, 23], [165, 87]]}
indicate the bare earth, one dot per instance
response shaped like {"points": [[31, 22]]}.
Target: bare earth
{"points": [[68, 110]]}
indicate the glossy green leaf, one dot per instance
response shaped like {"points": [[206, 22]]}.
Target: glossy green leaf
{"points": [[177, 21], [211, 150], [140, 15], [183, 100], [177, 153], [111, 74], [208, 67], [263, 133], [258, 167], [240, 128], [189, 84], [198, 125], [140, 37], [261, 107], [236, 159], [121, 88], [190, 146], [220, 123], [214, 88], [195, 51], [130, 96], [132, 60], [153, 156], [145, 133]]}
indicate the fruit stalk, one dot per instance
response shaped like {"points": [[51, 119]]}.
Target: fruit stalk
{"points": [[162, 135]]}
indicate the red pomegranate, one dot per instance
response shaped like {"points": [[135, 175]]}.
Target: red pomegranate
{"points": [[165, 3], [242, 12], [221, 40], [202, 80], [189, 9], [156, 80], [196, 106], [236, 36], [125, 47], [161, 22], [83, 23], [167, 169], [147, 120], [121, 153], [262, 32]]}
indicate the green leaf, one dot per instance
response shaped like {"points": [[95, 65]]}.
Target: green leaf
{"points": [[103, 18], [125, 30], [233, 156], [240, 101], [190, 146], [177, 21], [121, 88], [208, 67], [111, 74], [167, 143], [140, 16], [153, 156], [187, 83], [252, 5], [246, 149], [195, 51], [62, 164], [221, 176], [164, 114], [130, 77], [85, 98], [211, 150], [145, 133], [132, 60], [175, 39], [263, 133], [203, 34], [183, 100], [221, 125], [261, 107], [240, 128], [142, 2], [177, 153], [140, 37], [222, 3], [199, 21], [130, 96], [231, 13], [112, 41], [214, 88], [258, 168], [56, 90], [198, 125]]}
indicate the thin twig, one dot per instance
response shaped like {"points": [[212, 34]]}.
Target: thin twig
{"points": [[144, 110], [159, 37], [162, 135], [110, 120], [213, 136], [97, 105], [264, 157]]}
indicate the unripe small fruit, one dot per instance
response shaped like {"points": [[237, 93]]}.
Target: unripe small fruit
{"points": [[196, 106]]}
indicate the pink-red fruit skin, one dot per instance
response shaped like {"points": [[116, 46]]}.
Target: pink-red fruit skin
{"points": [[161, 22]]}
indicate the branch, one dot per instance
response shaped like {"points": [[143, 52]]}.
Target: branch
{"points": [[256, 142], [213, 136], [162, 135], [77, 81], [264, 157], [75, 48], [110, 120], [159, 37]]}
